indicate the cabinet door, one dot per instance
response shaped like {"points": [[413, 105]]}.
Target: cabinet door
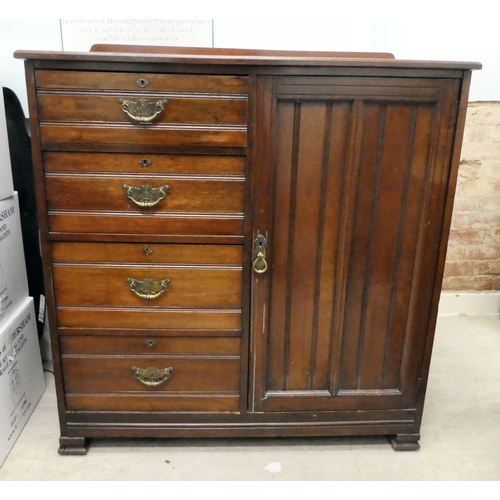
{"points": [[351, 177]]}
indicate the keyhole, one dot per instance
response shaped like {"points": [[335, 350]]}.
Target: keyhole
{"points": [[142, 82], [144, 162], [150, 343], [147, 249]]}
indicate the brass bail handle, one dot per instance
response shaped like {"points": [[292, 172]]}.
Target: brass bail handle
{"points": [[148, 288], [146, 195], [152, 376], [260, 263], [142, 110]]}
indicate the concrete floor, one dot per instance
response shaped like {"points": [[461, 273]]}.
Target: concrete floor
{"points": [[460, 435]]}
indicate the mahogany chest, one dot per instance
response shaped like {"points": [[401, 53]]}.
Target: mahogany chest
{"points": [[242, 243]]}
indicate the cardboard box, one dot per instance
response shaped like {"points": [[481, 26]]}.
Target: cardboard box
{"points": [[21, 374], [6, 183], [13, 277]]}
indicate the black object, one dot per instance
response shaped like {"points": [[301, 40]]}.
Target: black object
{"points": [[24, 184]]}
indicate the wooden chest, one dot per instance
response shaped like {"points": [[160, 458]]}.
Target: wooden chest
{"points": [[242, 243]]}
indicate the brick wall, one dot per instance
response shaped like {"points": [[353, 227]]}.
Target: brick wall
{"points": [[473, 258]]}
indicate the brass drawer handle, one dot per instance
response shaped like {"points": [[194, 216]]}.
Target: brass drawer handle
{"points": [[152, 376], [146, 195], [148, 289], [142, 111]]}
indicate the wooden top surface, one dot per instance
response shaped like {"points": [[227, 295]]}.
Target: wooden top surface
{"points": [[149, 54]]}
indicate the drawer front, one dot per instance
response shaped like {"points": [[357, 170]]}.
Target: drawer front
{"points": [[91, 193], [143, 164], [168, 194], [159, 374], [94, 287], [100, 108], [115, 383], [103, 80]]}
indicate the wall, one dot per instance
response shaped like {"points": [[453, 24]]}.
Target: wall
{"points": [[473, 260], [39, 34]]}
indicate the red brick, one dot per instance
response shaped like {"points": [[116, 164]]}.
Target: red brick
{"points": [[462, 220], [465, 236], [488, 267], [472, 252], [460, 268], [469, 169], [473, 283]]}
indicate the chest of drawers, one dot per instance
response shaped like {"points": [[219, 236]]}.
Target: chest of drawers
{"points": [[242, 243]]}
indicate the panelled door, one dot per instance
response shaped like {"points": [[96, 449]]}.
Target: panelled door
{"points": [[349, 210]]}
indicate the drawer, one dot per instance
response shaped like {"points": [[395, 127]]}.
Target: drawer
{"points": [[163, 206], [100, 383], [146, 194], [158, 374], [134, 81], [100, 108], [102, 285], [143, 164]]}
